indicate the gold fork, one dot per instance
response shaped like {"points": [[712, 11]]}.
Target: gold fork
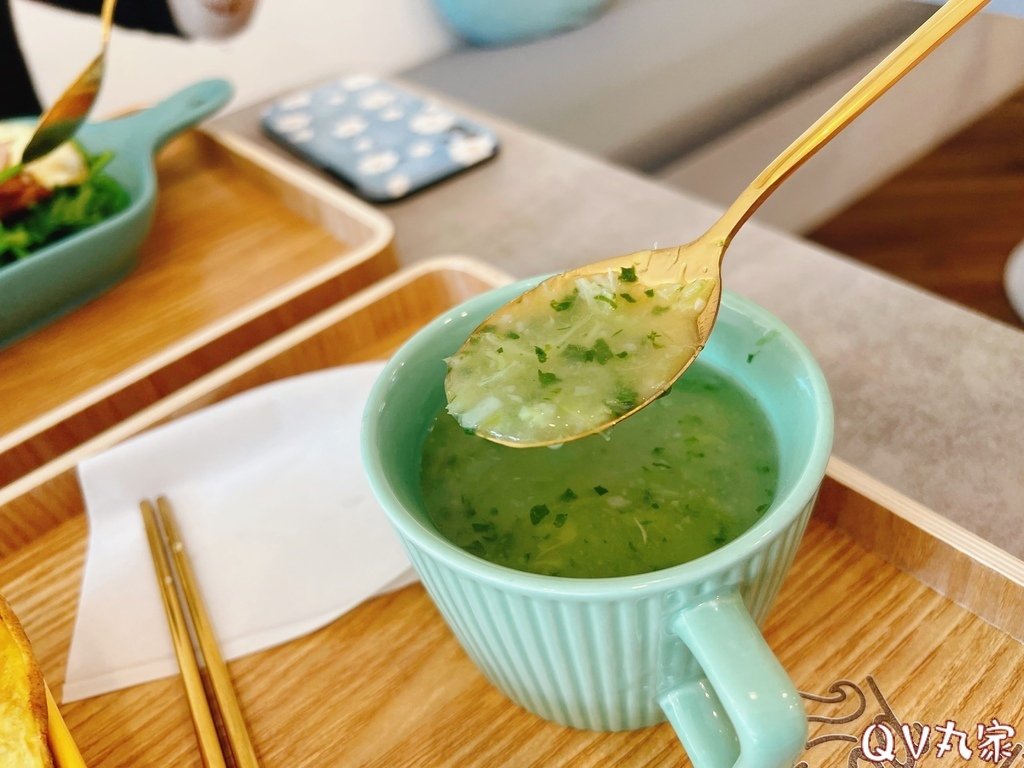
{"points": [[60, 122]]}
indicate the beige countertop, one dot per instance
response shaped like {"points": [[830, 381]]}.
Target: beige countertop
{"points": [[929, 397]]}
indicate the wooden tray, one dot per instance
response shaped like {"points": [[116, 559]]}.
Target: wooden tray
{"points": [[242, 247], [388, 685]]}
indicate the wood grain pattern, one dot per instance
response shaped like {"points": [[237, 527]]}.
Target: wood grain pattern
{"points": [[949, 221], [367, 326], [972, 572], [388, 685], [224, 268]]}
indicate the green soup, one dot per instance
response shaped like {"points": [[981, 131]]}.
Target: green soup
{"points": [[692, 471], [556, 365]]}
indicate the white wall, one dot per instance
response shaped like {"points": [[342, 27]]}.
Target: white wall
{"points": [[288, 42]]}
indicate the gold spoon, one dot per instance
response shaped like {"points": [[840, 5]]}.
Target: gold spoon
{"points": [[65, 117], [680, 265]]}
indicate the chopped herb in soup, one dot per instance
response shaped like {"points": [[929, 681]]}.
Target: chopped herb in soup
{"points": [[692, 471], [562, 364]]}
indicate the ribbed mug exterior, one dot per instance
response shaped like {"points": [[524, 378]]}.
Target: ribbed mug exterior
{"points": [[595, 662], [599, 653]]}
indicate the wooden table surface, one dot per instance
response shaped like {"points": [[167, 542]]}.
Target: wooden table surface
{"points": [[189, 277], [387, 685], [222, 259]]}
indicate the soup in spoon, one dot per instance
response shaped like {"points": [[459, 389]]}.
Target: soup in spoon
{"points": [[557, 365]]}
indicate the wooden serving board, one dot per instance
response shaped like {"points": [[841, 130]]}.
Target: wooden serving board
{"points": [[388, 685], [240, 250]]}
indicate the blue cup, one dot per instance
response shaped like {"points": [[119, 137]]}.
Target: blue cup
{"points": [[487, 23]]}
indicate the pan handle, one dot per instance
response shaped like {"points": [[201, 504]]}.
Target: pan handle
{"points": [[156, 125]]}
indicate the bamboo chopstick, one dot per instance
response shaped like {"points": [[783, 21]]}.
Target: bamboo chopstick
{"points": [[205, 675]]}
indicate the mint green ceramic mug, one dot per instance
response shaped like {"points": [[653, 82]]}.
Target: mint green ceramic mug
{"points": [[621, 653]]}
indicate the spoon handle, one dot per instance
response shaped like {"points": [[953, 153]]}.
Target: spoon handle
{"points": [[943, 23], [107, 20]]}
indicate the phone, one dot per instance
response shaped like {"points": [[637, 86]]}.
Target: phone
{"points": [[379, 139]]}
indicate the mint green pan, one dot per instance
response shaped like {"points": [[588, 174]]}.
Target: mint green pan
{"points": [[78, 268]]}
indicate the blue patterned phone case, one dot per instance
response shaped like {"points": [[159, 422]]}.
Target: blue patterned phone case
{"points": [[381, 140]]}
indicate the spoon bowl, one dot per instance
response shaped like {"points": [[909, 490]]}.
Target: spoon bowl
{"points": [[63, 119], [654, 269], [587, 339]]}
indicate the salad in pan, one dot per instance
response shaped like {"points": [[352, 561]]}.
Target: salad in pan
{"points": [[50, 198]]}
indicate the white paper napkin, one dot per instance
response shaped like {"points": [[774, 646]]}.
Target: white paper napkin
{"points": [[277, 517]]}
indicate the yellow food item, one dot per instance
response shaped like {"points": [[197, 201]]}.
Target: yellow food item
{"points": [[65, 166], [23, 723]]}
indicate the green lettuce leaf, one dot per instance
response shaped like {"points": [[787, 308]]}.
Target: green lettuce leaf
{"points": [[68, 210]]}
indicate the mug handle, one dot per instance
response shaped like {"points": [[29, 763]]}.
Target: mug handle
{"points": [[744, 712]]}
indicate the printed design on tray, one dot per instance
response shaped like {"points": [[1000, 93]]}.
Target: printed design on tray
{"points": [[466, 150], [886, 741], [420, 149], [349, 126], [414, 141], [378, 98], [296, 101], [431, 120], [378, 163], [295, 121], [398, 184]]}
